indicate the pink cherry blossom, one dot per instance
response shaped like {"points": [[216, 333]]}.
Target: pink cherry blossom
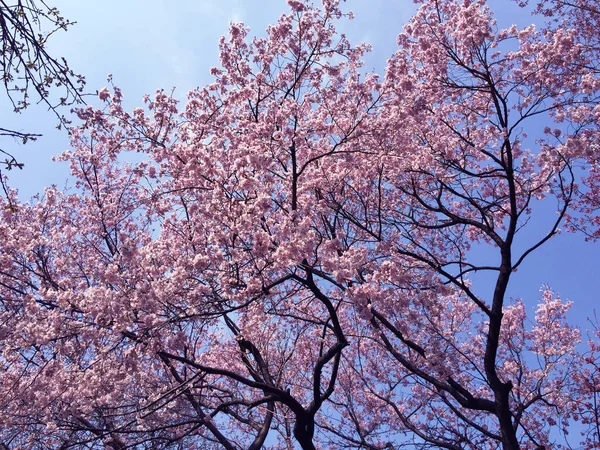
{"points": [[293, 260]]}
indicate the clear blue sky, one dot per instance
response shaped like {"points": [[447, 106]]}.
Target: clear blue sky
{"points": [[150, 44]]}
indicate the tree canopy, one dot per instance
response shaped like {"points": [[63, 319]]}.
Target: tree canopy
{"points": [[291, 264]]}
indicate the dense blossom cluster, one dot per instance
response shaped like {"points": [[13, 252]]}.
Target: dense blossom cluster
{"points": [[290, 264]]}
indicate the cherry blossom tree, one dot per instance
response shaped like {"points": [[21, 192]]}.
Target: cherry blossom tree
{"points": [[295, 262]]}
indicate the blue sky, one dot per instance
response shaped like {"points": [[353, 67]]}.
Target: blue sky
{"points": [[151, 44]]}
